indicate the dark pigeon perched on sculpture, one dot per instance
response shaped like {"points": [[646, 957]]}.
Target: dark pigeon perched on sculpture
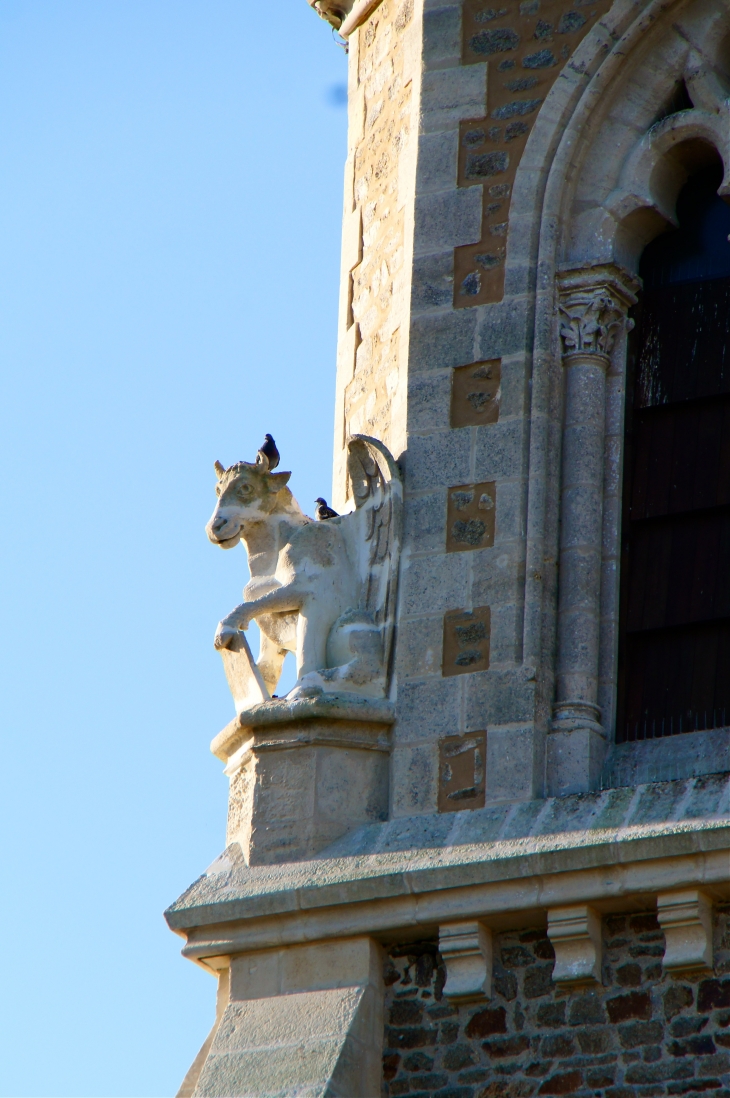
{"points": [[323, 511], [268, 450]]}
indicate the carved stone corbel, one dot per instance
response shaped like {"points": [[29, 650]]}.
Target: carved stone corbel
{"points": [[593, 305], [466, 949], [575, 933], [686, 919]]}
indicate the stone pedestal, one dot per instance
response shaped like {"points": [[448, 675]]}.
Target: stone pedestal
{"points": [[304, 773]]}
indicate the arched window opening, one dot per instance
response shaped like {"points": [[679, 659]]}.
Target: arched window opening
{"points": [[674, 630]]}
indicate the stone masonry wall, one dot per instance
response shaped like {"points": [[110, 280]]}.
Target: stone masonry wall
{"points": [[526, 43], [644, 1034], [374, 274]]}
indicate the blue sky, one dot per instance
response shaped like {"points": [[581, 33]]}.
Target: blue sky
{"points": [[170, 202]]}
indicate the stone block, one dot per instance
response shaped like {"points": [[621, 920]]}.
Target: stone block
{"points": [[442, 35], [415, 780], [574, 761], [510, 512], [669, 758], [428, 401], [466, 949], [345, 962], [427, 710], [433, 583], [437, 460], [471, 510], [433, 281], [475, 393], [496, 571], [452, 94], [425, 522], [575, 934], [502, 329], [500, 450], [499, 697], [506, 624], [437, 161], [462, 765], [441, 340], [420, 643], [467, 635], [686, 919], [519, 278], [447, 219], [515, 396], [306, 1042], [514, 764]]}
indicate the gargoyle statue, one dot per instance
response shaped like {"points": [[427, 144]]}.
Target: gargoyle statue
{"points": [[324, 590], [334, 11]]}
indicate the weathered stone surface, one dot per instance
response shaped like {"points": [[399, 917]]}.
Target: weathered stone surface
{"points": [[525, 843], [597, 1044]]}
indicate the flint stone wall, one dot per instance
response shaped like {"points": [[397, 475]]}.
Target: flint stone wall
{"points": [[642, 1034]]}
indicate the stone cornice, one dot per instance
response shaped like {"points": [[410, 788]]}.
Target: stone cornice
{"points": [[417, 880], [403, 906]]}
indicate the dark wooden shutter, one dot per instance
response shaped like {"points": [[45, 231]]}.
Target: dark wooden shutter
{"points": [[674, 645]]}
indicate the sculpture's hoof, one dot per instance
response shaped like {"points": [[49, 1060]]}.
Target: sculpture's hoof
{"points": [[299, 692]]}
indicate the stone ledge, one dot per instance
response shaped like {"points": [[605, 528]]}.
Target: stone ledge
{"points": [[279, 715], [503, 858]]}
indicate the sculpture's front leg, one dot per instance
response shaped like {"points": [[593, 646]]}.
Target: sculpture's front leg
{"points": [[280, 601]]}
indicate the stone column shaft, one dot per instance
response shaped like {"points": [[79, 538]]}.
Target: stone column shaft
{"points": [[593, 307], [580, 541]]}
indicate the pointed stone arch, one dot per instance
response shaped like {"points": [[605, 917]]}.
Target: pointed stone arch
{"points": [[599, 179]]}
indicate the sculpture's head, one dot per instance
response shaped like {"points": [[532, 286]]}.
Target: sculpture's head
{"points": [[246, 493]]}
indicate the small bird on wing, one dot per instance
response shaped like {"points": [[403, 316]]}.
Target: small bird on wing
{"points": [[269, 451], [322, 511]]}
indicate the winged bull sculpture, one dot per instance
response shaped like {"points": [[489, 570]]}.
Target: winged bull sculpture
{"points": [[323, 590]]}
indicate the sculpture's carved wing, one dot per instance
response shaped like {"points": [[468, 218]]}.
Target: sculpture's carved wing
{"points": [[377, 487]]}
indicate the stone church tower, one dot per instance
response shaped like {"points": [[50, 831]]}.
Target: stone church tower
{"points": [[483, 848]]}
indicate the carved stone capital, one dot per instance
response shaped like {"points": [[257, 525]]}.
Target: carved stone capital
{"points": [[593, 304], [575, 933], [686, 919], [467, 952]]}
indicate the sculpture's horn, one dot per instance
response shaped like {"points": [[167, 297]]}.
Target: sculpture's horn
{"points": [[262, 460], [219, 469]]}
